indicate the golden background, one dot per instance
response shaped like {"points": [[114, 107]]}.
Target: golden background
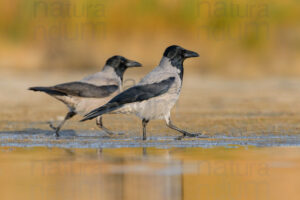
{"points": [[234, 38]]}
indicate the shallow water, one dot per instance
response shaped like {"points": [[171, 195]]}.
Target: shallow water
{"points": [[98, 139], [150, 173]]}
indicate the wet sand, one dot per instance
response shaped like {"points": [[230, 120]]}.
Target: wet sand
{"points": [[213, 106]]}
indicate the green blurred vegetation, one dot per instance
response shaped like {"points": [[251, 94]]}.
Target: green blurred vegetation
{"points": [[263, 36]]}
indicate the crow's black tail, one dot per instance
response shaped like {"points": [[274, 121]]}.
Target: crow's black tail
{"points": [[109, 107], [47, 90]]}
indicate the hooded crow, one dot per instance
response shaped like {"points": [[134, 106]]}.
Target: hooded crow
{"points": [[92, 91], [155, 95]]}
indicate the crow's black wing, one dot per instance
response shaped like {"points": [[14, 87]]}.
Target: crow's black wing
{"points": [[134, 94], [79, 89]]}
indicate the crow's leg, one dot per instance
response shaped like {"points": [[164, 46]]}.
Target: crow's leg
{"points": [[144, 122], [184, 133], [67, 117], [99, 123]]}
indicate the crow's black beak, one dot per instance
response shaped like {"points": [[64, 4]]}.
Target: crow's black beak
{"points": [[190, 54], [131, 63]]}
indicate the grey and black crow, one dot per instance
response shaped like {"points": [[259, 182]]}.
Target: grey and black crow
{"points": [[155, 95], [92, 91]]}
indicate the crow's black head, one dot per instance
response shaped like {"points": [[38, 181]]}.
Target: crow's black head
{"points": [[120, 64], [177, 55]]}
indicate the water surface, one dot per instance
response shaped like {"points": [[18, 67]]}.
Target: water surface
{"points": [[150, 173]]}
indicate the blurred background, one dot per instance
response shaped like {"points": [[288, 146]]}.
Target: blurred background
{"points": [[235, 39], [46, 42]]}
